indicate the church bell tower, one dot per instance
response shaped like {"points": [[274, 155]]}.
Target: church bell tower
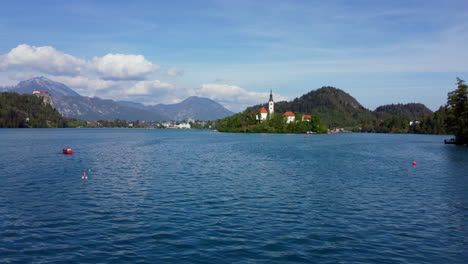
{"points": [[271, 104]]}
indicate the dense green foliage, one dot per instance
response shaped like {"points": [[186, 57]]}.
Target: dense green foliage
{"points": [[247, 122], [29, 111], [338, 109], [333, 106], [457, 112], [431, 124], [411, 111]]}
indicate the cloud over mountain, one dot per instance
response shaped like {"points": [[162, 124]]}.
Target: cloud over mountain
{"points": [[123, 66], [44, 59], [120, 77], [233, 96], [48, 60], [150, 87]]}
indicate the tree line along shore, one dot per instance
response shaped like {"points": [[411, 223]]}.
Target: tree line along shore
{"points": [[327, 107]]}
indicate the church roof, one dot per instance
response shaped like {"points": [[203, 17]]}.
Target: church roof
{"points": [[263, 110], [307, 116], [289, 114]]}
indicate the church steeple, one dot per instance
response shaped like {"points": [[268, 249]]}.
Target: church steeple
{"points": [[271, 104]]}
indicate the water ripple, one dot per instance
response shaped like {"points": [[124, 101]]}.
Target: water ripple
{"points": [[199, 197]]}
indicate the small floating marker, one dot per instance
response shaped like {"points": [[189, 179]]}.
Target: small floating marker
{"points": [[287, 173], [84, 176], [67, 150], [305, 136], [414, 163]]}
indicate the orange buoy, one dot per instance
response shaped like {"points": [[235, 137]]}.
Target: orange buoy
{"points": [[67, 151], [414, 163]]}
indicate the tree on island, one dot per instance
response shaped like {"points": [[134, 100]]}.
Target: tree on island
{"points": [[457, 113], [247, 122]]}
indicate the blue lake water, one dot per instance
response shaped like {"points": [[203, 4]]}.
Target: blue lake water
{"points": [[171, 196]]}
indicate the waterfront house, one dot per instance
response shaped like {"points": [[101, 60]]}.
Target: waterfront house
{"points": [[290, 117], [306, 118]]}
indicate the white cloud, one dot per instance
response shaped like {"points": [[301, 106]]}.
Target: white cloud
{"points": [[123, 66], [21, 76], [233, 96], [89, 87], [44, 59], [48, 60], [150, 88]]}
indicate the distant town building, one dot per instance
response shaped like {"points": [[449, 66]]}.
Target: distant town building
{"points": [[414, 122], [183, 126], [290, 117], [306, 117]]}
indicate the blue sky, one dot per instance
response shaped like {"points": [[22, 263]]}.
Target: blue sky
{"points": [[236, 51]]}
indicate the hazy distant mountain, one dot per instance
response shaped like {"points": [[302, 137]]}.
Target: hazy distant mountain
{"points": [[71, 104], [87, 108], [131, 104], [196, 108], [55, 89]]}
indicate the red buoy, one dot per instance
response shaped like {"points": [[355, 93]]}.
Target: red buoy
{"points": [[67, 151], [414, 163]]}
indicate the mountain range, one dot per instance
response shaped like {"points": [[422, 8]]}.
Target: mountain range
{"points": [[71, 104]]}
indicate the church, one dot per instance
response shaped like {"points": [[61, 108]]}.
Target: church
{"points": [[288, 116], [263, 113]]}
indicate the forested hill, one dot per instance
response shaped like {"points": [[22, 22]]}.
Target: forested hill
{"points": [[335, 107], [28, 111], [412, 111]]}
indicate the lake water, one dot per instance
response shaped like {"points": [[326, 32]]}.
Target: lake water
{"points": [[171, 196]]}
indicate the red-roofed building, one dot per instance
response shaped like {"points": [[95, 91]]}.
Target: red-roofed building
{"points": [[290, 117], [306, 117], [263, 114]]}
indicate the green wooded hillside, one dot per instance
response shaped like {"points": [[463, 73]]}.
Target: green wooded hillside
{"points": [[26, 110], [411, 111], [336, 108], [333, 106]]}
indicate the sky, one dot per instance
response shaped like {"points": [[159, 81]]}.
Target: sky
{"points": [[235, 52]]}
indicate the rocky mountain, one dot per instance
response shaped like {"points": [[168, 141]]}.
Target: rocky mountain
{"points": [[131, 104], [71, 104], [195, 108], [412, 111], [93, 108], [55, 89]]}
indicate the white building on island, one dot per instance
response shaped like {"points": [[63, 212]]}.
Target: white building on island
{"points": [[263, 114], [290, 117]]}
